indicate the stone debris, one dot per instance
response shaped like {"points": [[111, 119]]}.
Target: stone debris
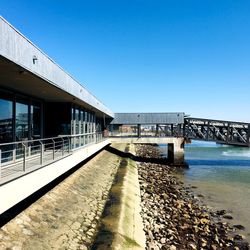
{"points": [[173, 218]]}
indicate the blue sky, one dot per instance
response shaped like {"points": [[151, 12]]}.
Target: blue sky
{"points": [[148, 56]]}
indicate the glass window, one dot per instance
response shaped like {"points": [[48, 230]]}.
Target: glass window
{"points": [[6, 120], [22, 124], [82, 121], [77, 120], [86, 122], [72, 121], [35, 117]]}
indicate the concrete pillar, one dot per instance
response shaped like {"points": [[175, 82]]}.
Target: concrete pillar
{"points": [[176, 152]]}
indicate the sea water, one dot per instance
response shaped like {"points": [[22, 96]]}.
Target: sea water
{"points": [[222, 175]]}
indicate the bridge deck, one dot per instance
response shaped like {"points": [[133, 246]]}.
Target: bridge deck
{"points": [[177, 125]]}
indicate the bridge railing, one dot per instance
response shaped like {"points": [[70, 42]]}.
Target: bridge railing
{"points": [[159, 130], [226, 132], [20, 158]]}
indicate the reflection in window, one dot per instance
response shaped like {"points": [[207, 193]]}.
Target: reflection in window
{"points": [[22, 124], [5, 121], [35, 116], [82, 122], [77, 120], [72, 121]]}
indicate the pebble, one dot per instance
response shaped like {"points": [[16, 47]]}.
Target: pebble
{"points": [[240, 227], [228, 216], [173, 219]]}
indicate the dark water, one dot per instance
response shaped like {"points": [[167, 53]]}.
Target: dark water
{"points": [[222, 174]]}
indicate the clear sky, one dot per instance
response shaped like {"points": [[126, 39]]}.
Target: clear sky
{"points": [[148, 56]]}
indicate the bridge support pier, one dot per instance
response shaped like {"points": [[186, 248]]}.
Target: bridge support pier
{"points": [[176, 152], [175, 146]]}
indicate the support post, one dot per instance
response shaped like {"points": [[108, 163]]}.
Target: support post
{"points": [[70, 143], [176, 152], [14, 154], [228, 132], [166, 130], [62, 147], [157, 129], [208, 128], [53, 149], [24, 157], [41, 152], [29, 150], [184, 129], [171, 152], [139, 130]]}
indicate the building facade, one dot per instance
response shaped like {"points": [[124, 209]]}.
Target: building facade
{"points": [[38, 99]]}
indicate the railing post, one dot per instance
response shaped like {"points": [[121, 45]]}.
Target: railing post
{"points": [[41, 153], [62, 146], [53, 148], [24, 157], [69, 147], [14, 154], [29, 150]]}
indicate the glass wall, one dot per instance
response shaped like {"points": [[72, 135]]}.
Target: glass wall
{"points": [[35, 121], [6, 120], [77, 130], [20, 118], [83, 122], [22, 121]]}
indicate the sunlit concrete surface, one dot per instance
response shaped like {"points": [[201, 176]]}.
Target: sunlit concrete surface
{"points": [[19, 189]]}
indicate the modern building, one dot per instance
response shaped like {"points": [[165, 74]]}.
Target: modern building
{"points": [[45, 115], [49, 122], [34, 89]]}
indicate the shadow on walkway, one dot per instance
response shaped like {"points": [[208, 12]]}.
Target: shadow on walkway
{"points": [[120, 153]]}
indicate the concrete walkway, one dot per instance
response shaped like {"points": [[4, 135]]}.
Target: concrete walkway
{"points": [[121, 226], [67, 216]]}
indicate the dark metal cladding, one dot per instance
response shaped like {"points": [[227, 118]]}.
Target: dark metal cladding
{"points": [[148, 118]]}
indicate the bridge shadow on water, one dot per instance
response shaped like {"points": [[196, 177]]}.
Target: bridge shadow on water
{"points": [[164, 161]]}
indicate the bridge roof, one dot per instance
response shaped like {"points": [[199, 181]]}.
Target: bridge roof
{"points": [[148, 118]]}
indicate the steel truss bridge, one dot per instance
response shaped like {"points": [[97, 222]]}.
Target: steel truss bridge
{"points": [[225, 132], [179, 125]]}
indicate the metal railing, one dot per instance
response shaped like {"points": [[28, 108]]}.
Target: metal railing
{"points": [[19, 158], [161, 131]]}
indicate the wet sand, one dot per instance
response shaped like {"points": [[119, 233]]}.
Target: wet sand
{"points": [[173, 218], [233, 198]]}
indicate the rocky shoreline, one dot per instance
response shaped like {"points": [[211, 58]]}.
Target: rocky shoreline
{"points": [[173, 218]]}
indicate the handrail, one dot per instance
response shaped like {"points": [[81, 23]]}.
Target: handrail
{"points": [[44, 139], [23, 157]]}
